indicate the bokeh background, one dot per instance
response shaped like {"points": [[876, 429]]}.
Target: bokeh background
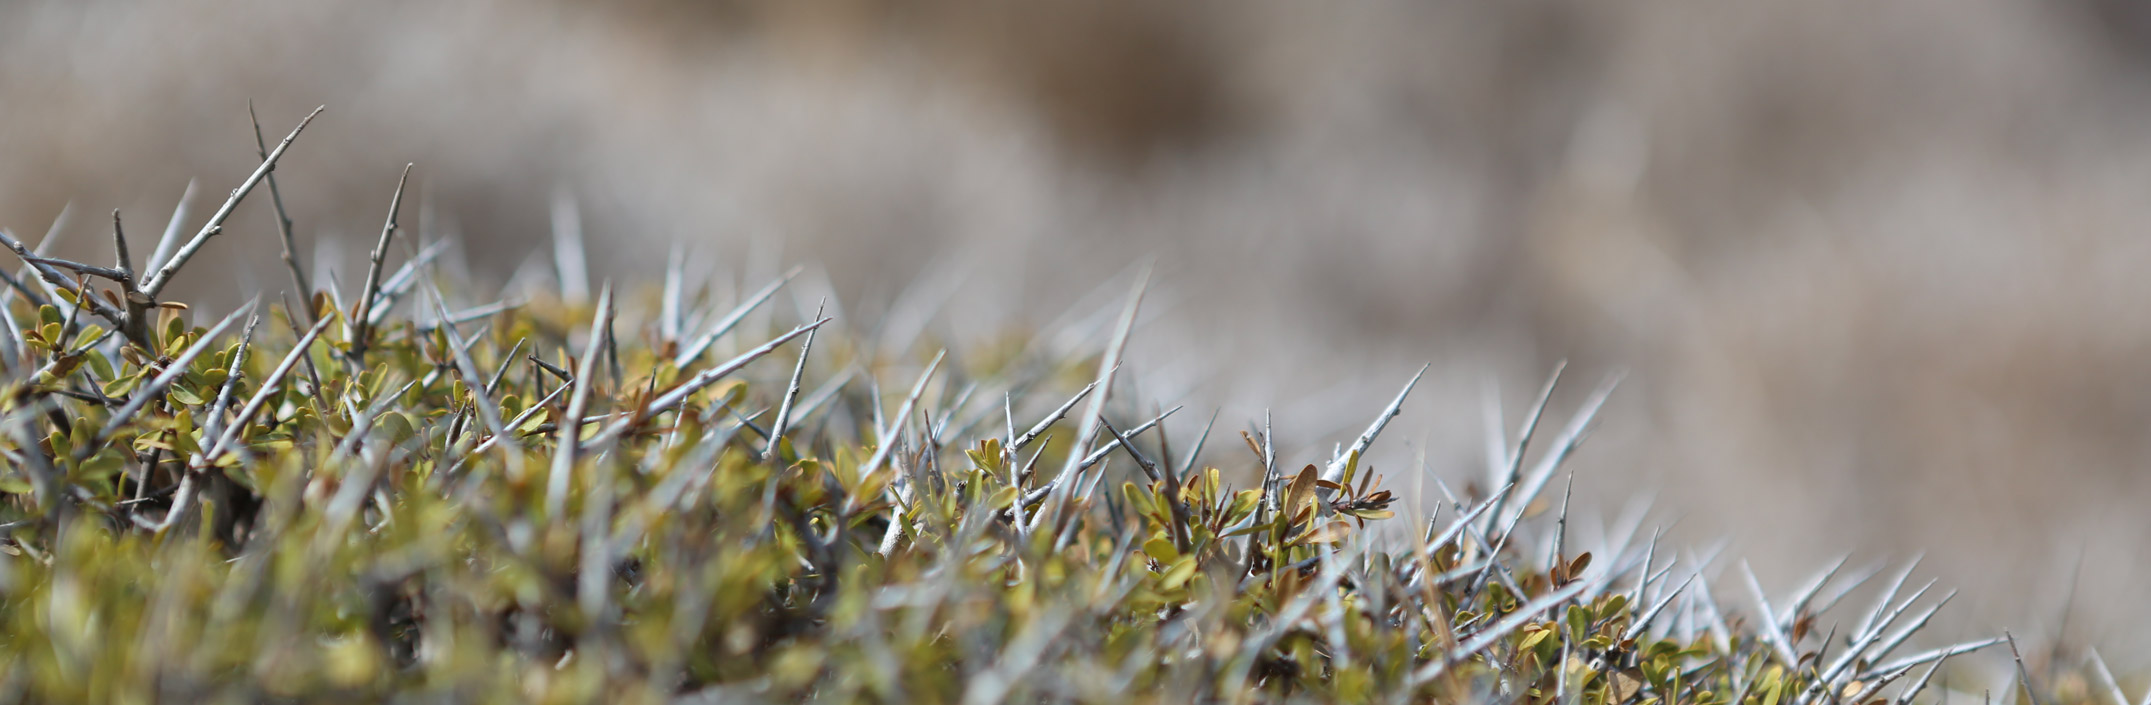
{"points": [[1873, 269]]}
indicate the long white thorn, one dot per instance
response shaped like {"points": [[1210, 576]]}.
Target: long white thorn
{"points": [[1335, 471], [1087, 425], [571, 424]]}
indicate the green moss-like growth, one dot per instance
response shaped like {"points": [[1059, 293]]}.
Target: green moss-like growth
{"points": [[556, 502]]}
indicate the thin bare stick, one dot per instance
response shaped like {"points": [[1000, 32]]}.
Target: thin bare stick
{"points": [[1058, 413], [361, 326], [1335, 471], [569, 262], [506, 361], [1089, 421], [2106, 676], [1099, 454], [11, 342], [512, 425], [1643, 622], [107, 273], [268, 387], [138, 304], [1188, 464], [1772, 633], [283, 219], [1905, 698], [1148, 466], [59, 281], [488, 412], [2029, 690], [1912, 627], [822, 395], [469, 314], [51, 295], [710, 376], [888, 435], [401, 282], [1096, 456], [1882, 601], [791, 391], [897, 487], [1578, 425], [702, 343], [35, 297], [1926, 656], [1793, 608], [169, 240], [216, 222], [1846, 586], [556, 485], [668, 318], [313, 373], [1509, 460], [155, 389], [1486, 637], [213, 422]]}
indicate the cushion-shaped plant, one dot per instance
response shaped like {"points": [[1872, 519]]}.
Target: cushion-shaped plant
{"points": [[378, 494]]}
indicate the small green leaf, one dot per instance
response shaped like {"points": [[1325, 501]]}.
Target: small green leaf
{"points": [[1179, 574], [1161, 549], [181, 394]]}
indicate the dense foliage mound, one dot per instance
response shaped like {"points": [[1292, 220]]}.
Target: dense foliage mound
{"points": [[378, 495]]}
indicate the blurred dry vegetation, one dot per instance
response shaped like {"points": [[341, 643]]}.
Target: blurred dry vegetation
{"points": [[1872, 266]]}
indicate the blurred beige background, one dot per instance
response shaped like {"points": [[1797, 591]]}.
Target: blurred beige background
{"points": [[1873, 267]]}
